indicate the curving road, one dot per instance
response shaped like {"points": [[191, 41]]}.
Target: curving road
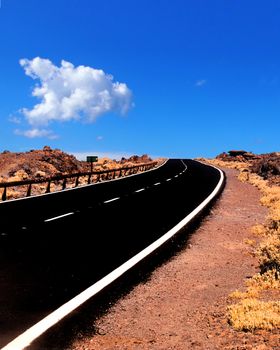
{"points": [[52, 247]]}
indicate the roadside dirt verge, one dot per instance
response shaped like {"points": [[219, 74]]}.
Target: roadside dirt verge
{"points": [[184, 303]]}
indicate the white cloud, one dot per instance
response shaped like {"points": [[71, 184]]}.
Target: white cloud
{"points": [[99, 138], [200, 83], [72, 93], [35, 132]]}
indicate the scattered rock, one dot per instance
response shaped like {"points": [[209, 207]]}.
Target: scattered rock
{"points": [[19, 176], [266, 165], [235, 155], [50, 162], [137, 159], [40, 173], [47, 149]]}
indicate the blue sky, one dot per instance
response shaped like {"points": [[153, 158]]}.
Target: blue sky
{"points": [[198, 77]]}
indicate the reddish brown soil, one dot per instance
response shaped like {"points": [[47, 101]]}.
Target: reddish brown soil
{"points": [[48, 162], [184, 303]]}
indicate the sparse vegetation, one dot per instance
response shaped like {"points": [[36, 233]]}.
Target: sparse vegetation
{"points": [[251, 314], [265, 281], [255, 309], [46, 163], [230, 165]]}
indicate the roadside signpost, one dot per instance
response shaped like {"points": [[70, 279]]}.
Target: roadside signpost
{"points": [[91, 160]]}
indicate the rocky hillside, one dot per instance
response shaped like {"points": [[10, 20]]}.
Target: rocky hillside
{"points": [[266, 165], [36, 163], [50, 162]]}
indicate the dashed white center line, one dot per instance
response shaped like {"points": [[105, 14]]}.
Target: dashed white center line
{"points": [[141, 189], [58, 217], [25, 339], [156, 184], [111, 200], [176, 175], [168, 179]]}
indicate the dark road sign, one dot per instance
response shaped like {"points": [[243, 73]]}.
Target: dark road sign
{"points": [[92, 159]]}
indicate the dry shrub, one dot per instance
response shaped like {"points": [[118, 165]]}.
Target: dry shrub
{"points": [[257, 181], [269, 250], [244, 176], [249, 293], [274, 215], [251, 314], [271, 198], [230, 165], [250, 242], [264, 281], [258, 283], [269, 253], [259, 230], [12, 193]]}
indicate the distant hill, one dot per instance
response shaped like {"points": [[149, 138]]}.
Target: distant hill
{"points": [[50, 162]]}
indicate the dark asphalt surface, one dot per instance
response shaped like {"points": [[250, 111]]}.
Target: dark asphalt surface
{"points": [[45, 264]]}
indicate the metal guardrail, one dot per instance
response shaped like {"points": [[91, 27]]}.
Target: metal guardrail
{"points": [[92, 177]]}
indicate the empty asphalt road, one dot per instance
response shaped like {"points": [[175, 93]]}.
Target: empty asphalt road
{"points": [[52, 247]]}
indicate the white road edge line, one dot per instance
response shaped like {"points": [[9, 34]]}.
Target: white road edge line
{"points": [[111, 200], [26, 338], [141, 189], [58, 217]]}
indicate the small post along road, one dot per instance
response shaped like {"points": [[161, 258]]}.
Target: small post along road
{"points": [[81, 240]]}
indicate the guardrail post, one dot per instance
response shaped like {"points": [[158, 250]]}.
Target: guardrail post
{"points": [[64, 183], [89, 178], [77, 181], [92, 178], [4, 194], [48, 189], [28, 194]]}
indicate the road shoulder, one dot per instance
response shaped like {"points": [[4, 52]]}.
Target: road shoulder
{"points": [[183, 304]]}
